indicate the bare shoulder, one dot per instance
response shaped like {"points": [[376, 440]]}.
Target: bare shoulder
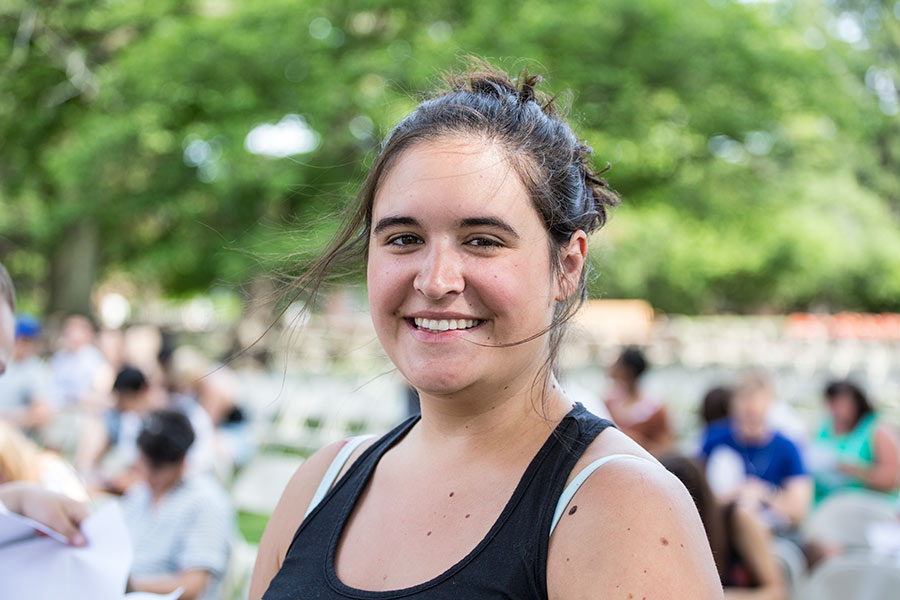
{"points": [[885, 435], [290, 511], [631, 530]]}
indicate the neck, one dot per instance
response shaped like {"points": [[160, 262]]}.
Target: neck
{"points": [[159, 491], [846, 426], [482, 424]]}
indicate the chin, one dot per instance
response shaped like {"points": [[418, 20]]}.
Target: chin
{"points": [[436, 387], [443, 383]]}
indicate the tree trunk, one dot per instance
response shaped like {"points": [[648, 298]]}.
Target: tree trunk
{"points": [[73, 269]]}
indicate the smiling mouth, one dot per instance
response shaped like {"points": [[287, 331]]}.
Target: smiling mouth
{"points": [[439, 325]]}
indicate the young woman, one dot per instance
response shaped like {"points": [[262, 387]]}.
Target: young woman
{"points": [[853, 449], [474, 223], [643, 418]]}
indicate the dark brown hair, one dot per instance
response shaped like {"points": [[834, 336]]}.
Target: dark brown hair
{"points": [[552, 163], [691, 474], [716, 404], [848, 388], [634, 361], [165, 437]]}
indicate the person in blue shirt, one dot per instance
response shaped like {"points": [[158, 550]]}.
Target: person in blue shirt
{"points": [[752, 464]]}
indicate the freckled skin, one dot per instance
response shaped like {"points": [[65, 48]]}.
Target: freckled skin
{"points": [[664, 541], [573, 509]]}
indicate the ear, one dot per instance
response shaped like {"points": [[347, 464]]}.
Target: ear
{"points": [[571, 263]]}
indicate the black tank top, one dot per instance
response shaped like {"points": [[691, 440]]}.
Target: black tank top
{"points": [[511, 560]]}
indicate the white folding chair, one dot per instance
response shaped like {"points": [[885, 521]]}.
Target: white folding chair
{"points": [[236, 581], [259, 485], [791, 560], [853, 576], [843, 519]]}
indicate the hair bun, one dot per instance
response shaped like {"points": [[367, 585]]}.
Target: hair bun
{"points": [[527, 91], [483, 79]]}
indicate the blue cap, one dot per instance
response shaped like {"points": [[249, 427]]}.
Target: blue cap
{"points": [[27, 326]]}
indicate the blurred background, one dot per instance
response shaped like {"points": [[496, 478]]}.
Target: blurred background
{"points": [[166, 167]]}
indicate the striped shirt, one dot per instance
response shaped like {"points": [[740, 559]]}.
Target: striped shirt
{"points": [[191, 527]]}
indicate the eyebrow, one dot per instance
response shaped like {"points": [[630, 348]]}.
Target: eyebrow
{"points": [[392, 221], [489, 222], [469, 222]]}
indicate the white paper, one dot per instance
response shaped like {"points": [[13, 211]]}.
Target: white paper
{"points": [[148, 596], [44, 568], [17, 528]]}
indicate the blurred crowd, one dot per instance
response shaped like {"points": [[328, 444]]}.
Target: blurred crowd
{"points": [[123, 414], [128, 414], [776, 501]]}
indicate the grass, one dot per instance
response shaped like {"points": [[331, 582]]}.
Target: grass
{"points": [[251, 525]]}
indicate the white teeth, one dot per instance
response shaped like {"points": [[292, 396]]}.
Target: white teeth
{"points": [[444, 324]]}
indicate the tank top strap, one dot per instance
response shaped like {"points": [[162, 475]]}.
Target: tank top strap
{"points": [[570, 440], [579, 480], [360, 468], [510, 561], [334, 469]]}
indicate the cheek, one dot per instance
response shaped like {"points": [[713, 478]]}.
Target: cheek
{"points": [[516, 292], [386, 281], [843, 410]]}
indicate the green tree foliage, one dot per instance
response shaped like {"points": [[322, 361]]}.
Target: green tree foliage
{"points": [[755, 173]]}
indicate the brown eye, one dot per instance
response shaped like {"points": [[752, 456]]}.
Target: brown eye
{"points": [[404, 239], [483, 242]]}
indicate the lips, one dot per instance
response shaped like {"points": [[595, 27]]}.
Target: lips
{"points": [[439, 325]]}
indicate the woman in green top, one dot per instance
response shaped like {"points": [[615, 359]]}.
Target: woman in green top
{"points": [[853, 450]]}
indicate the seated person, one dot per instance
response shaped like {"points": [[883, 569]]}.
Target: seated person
{"points": [[81, 375], [715, 406], [853, 449], [108, 445], [748, 462], [742, 548], [713, 413], [181, 528], [24, 396], [23, 460], [643, 418], [233, 445]]}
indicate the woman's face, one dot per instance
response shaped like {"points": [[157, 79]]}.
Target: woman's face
{"points": [[459, 260], [843, 411]]}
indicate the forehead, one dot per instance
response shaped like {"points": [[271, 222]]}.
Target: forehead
{"points": [[752, 396], [453, 176]]}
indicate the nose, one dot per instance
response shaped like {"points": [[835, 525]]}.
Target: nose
{"points": [[440, 274]]}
